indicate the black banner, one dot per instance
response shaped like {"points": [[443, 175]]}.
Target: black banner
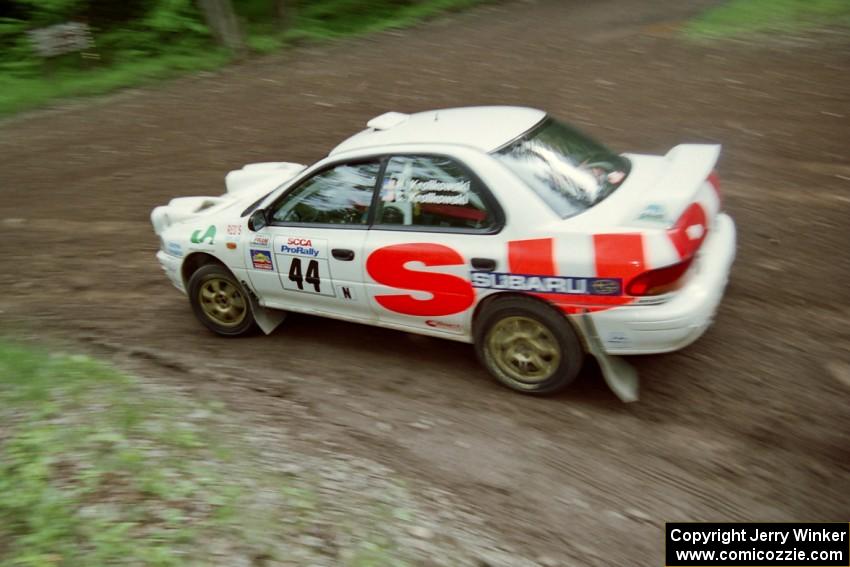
{"points": [[757, 545]]}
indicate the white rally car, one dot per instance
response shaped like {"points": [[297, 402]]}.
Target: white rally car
{"points": [[498, 226]]}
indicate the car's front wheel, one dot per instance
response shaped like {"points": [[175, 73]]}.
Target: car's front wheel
{"points": [[219, 302], [528, 345]]}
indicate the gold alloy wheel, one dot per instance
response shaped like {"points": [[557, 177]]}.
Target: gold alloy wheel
{"points": [[222, 302], [524, 349]]}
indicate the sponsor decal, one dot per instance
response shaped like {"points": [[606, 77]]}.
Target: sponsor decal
{"points": [[618, 257], [299, 250], [547, 284], [302, 264], [618, 339], [233, 229], [654, 213], [431, 191], [606, 286], [261, 240], [442, 325], [299, 247], [450, 294], [262, 260], [210, 233], [174, 248]]}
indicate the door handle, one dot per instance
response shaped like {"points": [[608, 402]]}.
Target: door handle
{"points": [[484, 264], [343, 254]]}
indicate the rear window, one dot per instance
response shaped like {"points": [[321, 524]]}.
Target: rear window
{"points": [[570, 171]]}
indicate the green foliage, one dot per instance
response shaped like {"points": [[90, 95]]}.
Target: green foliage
{"points": [[16, 55], [47, 12], [741, 17], [137, 41], [174, 17]]}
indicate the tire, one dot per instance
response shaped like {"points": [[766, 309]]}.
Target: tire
{"points": [[527, 345], [219, 301]]}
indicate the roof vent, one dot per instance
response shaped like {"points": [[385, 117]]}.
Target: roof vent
{"points": [[387, 120]]}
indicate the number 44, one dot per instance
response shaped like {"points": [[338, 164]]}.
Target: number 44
{"points": [[311, 277]]}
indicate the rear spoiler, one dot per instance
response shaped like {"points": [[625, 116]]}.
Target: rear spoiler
{"points": [[687, 167]]}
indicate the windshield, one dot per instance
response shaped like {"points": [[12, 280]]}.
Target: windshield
{"points": [[569, 171]]}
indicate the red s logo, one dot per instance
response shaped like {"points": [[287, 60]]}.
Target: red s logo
{"points": [[452, 294]]}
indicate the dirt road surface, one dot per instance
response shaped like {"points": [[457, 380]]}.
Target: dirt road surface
{"points": [[750, 423]]}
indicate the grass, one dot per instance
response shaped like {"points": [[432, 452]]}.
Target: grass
{"points": [[96, 469], [743, 17], [315, 21], [77, 446], [19, 93]]}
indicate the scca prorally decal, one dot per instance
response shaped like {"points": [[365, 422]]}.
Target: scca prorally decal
{"points": [[547, 284], [262, 260], [299, 247], [210, 233]]}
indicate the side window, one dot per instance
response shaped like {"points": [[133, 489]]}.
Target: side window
{"points": [[431, 191], [340, 195]]}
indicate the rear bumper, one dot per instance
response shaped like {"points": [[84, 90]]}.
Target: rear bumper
{"points": [[171, 266], [648, 329]]}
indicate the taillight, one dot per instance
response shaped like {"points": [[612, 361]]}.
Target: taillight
{"points": [[656, 282], [714, 180]]}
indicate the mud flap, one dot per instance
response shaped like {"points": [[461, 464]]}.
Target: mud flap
{"points": [[620, 376], [267, 319]]}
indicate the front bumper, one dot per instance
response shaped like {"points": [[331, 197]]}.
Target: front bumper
{"points": [[649, 329], [171, 266]]}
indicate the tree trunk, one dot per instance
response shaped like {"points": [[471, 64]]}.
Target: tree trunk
{"points": [[284, 12], [223, 23]]}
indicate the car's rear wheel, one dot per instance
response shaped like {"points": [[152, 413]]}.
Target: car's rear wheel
{"points": [[528, 345], [219, 302]]}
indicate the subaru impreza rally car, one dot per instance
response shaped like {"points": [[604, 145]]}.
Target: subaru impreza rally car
{"points": [[498, 226]]}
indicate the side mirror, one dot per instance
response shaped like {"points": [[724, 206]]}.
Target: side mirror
{"points": [[258, 221]]}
